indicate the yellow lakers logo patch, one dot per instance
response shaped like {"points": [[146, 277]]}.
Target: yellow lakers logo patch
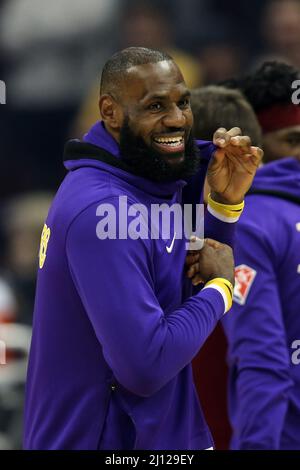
{"points": [[44, 244]]}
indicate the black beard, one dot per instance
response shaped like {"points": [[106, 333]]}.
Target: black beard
{"points": [[147, 162]]}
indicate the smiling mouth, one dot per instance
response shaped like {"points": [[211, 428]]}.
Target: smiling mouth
{"points": [[169, 144]]}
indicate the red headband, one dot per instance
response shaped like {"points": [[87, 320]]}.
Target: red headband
{"points": [[278, 117]]}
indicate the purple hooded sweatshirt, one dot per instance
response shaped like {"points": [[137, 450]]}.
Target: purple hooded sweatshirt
{"points": [[263, 328], [113, 333]]}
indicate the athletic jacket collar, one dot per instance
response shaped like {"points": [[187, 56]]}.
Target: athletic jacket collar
{"points": [[81, 154]]}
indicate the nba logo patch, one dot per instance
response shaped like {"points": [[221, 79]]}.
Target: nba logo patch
{"points": [[244, 277]]}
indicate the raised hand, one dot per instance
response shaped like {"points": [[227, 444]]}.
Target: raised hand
{"points": [[232, 168]]}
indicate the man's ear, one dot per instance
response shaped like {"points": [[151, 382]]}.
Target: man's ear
{"points": [[111, 112]]}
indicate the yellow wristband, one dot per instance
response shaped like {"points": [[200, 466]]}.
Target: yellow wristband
{"points": [[226, 210], [226, 287], [224, 281]]}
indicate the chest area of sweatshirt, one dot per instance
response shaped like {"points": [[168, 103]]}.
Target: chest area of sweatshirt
{"points": [[138, 213], [169, 271], [168, 239], [163, 223]]}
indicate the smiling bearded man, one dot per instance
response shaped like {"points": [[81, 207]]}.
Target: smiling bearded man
{"points": [[156, 149], [115, 324]]}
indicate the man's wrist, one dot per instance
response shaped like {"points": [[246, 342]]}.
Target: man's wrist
{"points": [[217, 197], [229, 213], [225, 288]]}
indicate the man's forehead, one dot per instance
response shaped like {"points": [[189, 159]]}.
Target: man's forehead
{"points": [[153, 79]]}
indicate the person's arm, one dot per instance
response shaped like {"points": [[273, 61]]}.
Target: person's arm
{"points": [[215, 227], [231, 163], [219, 226], [114, 278], [258, 355]]}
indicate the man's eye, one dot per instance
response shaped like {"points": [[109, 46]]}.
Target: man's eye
{"points": [[155, 107], [184, 103]]}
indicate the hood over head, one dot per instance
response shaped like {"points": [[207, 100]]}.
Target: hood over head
{"points": [[280, 178]]}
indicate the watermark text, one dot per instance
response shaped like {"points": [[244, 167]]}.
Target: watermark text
{"points": [[157, 221], [296, 93], [2, 92], [295, 358]]}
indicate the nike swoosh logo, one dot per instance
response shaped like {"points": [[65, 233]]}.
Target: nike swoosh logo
{"points": [[170, 248]]}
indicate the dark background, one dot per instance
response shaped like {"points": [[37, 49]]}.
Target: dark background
{"points": [[51, 56]]}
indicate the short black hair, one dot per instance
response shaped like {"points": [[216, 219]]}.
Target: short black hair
{"points": [[216, 106], [115, 68], [269, 85]]}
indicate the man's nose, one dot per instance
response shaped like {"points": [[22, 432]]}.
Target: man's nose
{"points": [[174, 118]]}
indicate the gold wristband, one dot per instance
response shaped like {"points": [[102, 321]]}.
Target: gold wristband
{"points": [[224, 281], [227, 210], [226, 287]]}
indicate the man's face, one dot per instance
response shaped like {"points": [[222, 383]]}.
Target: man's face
{"points": [[156, 108], [282, 143]]}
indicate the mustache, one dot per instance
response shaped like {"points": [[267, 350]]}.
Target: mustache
{"points": [[173, 131]]}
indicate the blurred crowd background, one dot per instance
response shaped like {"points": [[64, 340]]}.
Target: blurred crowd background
{"points": [[51, 56]]}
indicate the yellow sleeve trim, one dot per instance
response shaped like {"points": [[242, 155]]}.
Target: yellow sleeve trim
{"points": [[226, 288], [224, 281], [226, 210]]}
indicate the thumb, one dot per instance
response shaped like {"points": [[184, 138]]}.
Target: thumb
{"points": [[218, 157]]}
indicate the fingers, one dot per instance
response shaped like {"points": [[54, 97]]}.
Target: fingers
{"points": [[258, 153], [235, 131], [193, 269], [197, 280], [214, 260], [193, 274], [220, 132], [240, 148], [193, 254], [254, 154], [213, 243], [241, 141], [191, 258], [222, 137], [218, 157]]}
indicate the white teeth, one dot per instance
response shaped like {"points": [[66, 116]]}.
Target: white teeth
{"points": [[173, 141]]}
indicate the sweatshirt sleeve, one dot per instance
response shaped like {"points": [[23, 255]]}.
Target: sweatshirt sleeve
{"points": [[258, 355], [219, 230], [114, 278]]}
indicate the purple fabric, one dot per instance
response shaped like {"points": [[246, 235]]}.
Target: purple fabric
{"points": [[98, 135], [113, 334], [264, 383]]}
